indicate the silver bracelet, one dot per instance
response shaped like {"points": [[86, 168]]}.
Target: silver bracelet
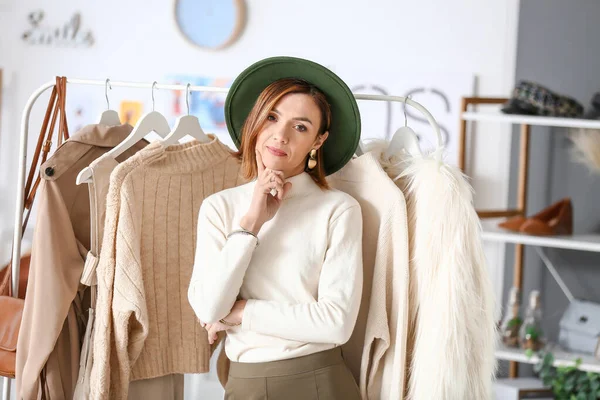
{"points": [[243, 232], [222, 320]]}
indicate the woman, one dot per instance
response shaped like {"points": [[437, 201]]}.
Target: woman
{"points": [[279, 260]]}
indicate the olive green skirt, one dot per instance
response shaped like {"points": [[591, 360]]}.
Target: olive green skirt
{"points": [[319, 376]]}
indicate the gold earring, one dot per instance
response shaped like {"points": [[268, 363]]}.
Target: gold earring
{"points": [[312, 161]]}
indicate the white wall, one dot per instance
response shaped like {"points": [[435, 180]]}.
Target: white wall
{"points": [[138, 40]]}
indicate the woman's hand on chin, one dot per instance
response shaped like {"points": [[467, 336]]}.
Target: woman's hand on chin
{"points": [[265, 205]]}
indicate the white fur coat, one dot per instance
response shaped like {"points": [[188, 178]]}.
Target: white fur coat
{"points": [[452, 328], [586, 148]]}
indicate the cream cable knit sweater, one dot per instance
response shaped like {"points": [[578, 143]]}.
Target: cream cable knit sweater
{"points": [[145, 327], [303, 282]]}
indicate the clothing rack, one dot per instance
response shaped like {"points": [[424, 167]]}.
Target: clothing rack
{"points": [[24, 132]]}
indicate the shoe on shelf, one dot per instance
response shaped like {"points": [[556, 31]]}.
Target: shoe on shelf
{"points": [[513, 224], [556, 219]]}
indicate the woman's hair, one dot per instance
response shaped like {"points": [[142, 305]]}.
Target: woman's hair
{"points": [[258, 116]]}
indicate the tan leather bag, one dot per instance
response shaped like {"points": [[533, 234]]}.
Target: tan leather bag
{"points": [[23, 275], [11, 311], [11, 308]]}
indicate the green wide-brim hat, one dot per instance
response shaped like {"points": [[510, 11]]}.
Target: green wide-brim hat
{"points": [[344, 131]]}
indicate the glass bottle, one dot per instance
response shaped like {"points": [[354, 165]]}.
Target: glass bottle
{"points": [[512, 322], [530, 334]]}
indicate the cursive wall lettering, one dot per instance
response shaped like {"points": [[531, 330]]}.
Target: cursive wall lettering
{"points": [[70, 34]]}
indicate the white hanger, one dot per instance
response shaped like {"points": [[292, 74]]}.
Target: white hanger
{"points": [[109, 117], [405, 139], [151, 122], [186, 125]]}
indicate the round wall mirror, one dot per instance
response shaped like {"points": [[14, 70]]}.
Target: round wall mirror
{"points": [[210, 24]]}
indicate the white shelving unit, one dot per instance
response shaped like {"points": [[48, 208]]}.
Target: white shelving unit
{"points": [[572, 242], [562, 358], [531, 120], [581, 242]]}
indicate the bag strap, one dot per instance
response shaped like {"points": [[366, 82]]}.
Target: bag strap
{"points": [[63, 132], [40, 142], [6, 285], [56, 106]]}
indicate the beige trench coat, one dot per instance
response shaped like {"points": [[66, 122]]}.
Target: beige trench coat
{"points": [[54, 316]]}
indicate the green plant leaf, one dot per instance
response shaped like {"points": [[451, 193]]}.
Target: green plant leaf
{"points": [[529, 353], [532, 332], [566, 370], [548, 359], [570, 383]]}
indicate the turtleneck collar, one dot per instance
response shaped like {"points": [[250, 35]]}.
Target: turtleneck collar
{"points": [[302, 185], [187, 157]]}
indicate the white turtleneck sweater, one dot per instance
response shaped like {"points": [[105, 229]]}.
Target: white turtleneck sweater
{"points": [[303, 282]]}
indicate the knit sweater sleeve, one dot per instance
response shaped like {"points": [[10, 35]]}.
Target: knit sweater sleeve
{"points": [[219, 266], [332, 317], [129, 311], [103, 339]]}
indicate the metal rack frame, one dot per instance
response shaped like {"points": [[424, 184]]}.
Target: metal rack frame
{"points": [[24, 131]]}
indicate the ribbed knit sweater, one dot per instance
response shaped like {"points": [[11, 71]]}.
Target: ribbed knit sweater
{"points": [[145, 326], [303, 281]]}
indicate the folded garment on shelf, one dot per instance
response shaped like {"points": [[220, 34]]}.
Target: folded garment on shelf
{"points": [[531, 98]]}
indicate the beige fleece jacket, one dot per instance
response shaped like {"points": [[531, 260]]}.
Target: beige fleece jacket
{"points": [[376, 352]]}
